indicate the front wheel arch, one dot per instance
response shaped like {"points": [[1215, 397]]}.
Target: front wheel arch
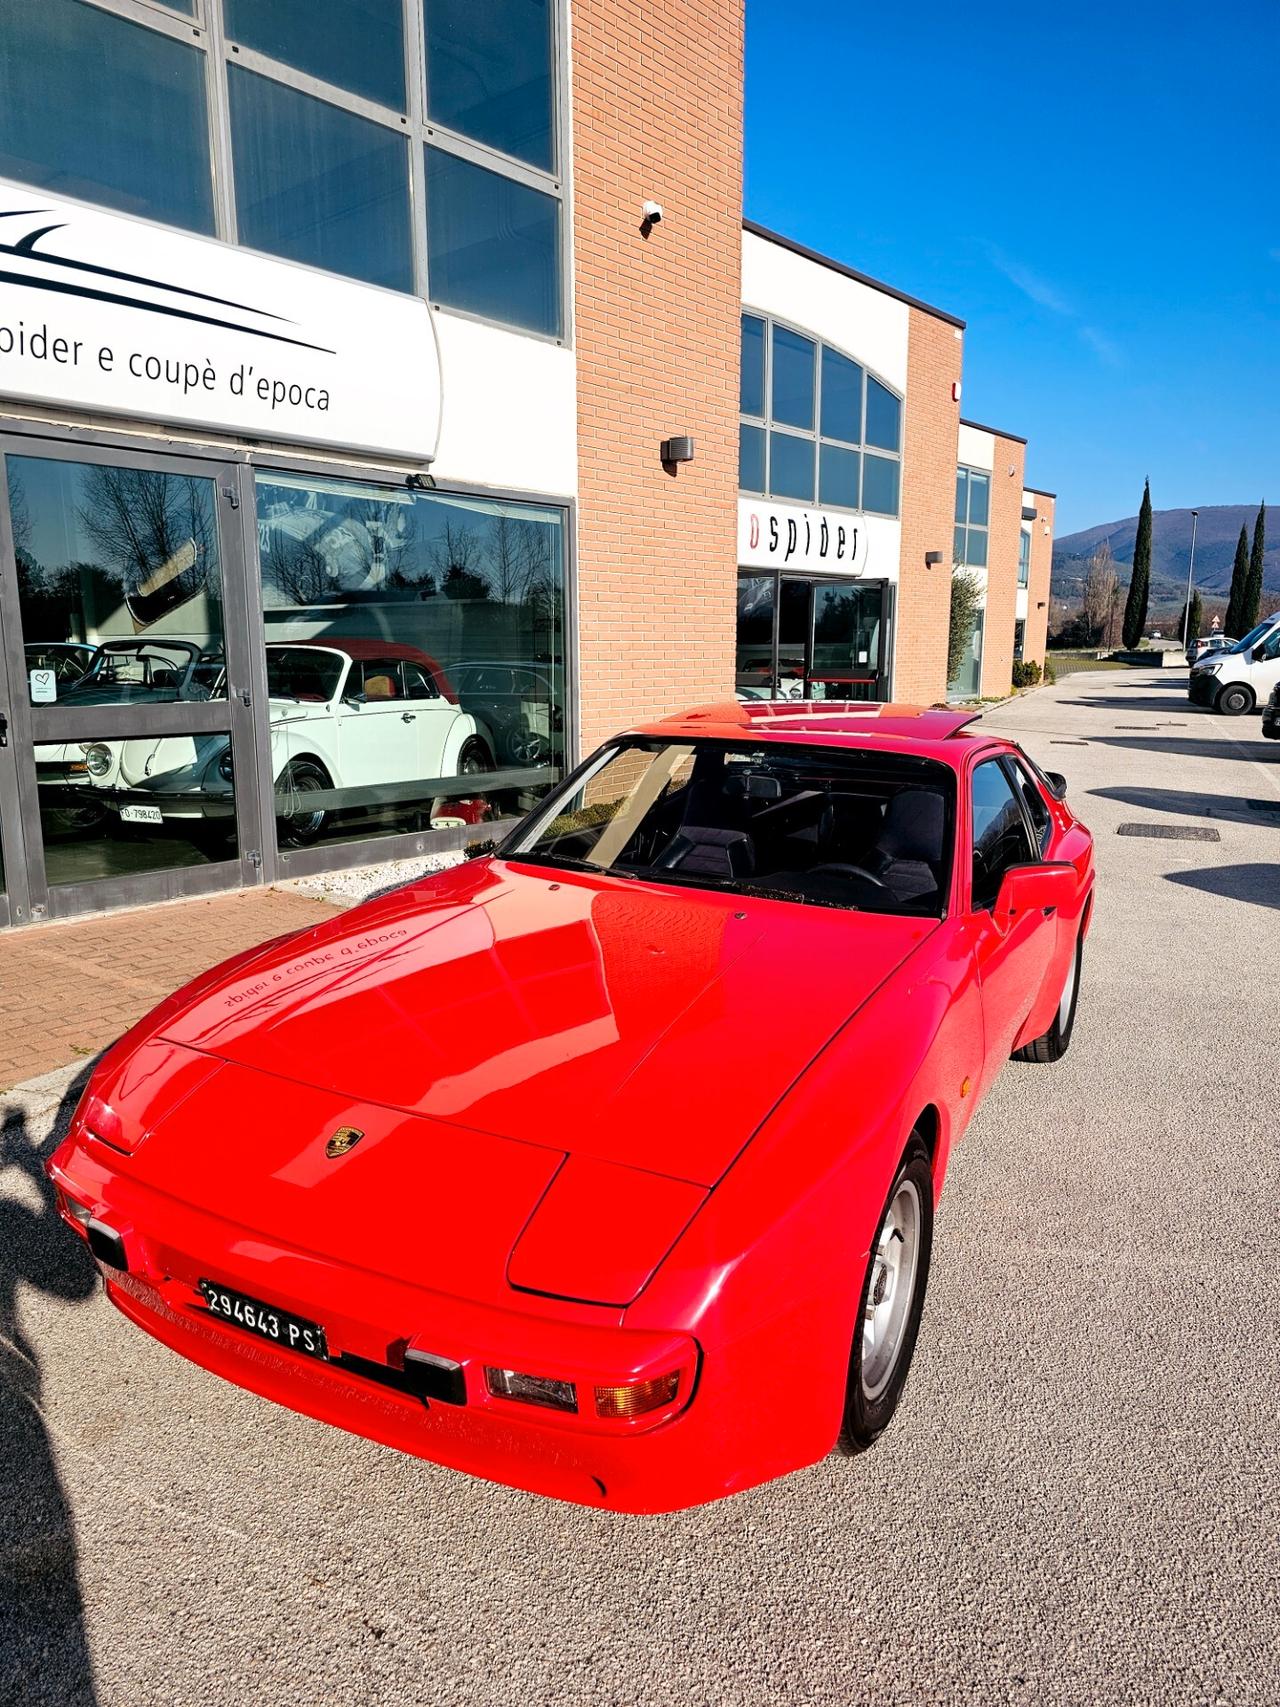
{"points": [[1241, 696]]}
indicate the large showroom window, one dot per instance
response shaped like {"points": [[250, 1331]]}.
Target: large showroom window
{"points": [[320, 116], [120, 594], [414, 656], [815, 425], [973, 510]]}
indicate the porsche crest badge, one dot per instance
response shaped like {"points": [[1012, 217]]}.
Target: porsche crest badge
{"points": [[344, 1139]]}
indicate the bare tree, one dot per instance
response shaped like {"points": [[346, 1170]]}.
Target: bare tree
{"points": [[156, 534], [1100, 593]]}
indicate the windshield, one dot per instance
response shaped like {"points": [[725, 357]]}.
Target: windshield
{"points": [[1254, 636], [825, 826], [303, 672], [147, 670]]}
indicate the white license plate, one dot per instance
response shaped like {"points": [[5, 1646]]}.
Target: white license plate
{"points": [[141, 815]]}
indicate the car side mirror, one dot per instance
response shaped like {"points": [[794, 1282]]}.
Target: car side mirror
{"points": [[1057, 784], [1034, 888]]}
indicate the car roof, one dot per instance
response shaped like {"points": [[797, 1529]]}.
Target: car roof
{"points": [[930, 730]]}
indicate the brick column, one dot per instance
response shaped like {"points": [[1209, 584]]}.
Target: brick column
{"points": [[1002, 565], [1038, 588], [934, 355], [657, 96]]}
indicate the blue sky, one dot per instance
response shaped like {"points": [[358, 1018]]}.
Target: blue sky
{"points": [[1095, 189]]}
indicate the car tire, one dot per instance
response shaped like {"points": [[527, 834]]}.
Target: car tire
{"points": [[1057, 1040], [1234, 700], [885, 1332], [474, 758], [298, 829]]}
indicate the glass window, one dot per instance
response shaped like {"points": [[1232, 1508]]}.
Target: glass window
{"points": [[838, 484], [880, 478], [1037, 811], [1000, 837], [754, 673], [489, 74], [791, 466], [355, 44], [841, 397], [973, 492], [752, 383], [884, 416], [793, 378], [320, 185], [493, 246], [415, 650], [815, 391], [1024, 557], [120, 595], [750, 458], [95, 106]]}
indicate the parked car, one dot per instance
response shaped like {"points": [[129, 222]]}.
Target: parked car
{"points": [[346, 714], [1271, 715], [606, 1166], [67, 659], [518, 702], [1243, 676], [1206, 645], [78, 780]]}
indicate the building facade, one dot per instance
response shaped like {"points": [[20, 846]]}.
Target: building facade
{"points": [[392, 404]]}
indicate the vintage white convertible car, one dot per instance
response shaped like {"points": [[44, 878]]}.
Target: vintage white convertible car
{"points": [[351, 718]]}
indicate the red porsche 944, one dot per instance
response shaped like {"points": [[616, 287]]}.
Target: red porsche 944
{"points": [[606, 1166]]}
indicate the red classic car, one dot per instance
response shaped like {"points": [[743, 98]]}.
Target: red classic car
{"points": [[606, 1166]]}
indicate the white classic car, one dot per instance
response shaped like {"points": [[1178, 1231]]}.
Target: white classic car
{"points": [[351, 719]]}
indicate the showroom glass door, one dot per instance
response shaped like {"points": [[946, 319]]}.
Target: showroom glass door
{"points": [[803, 638], [123, 625]]}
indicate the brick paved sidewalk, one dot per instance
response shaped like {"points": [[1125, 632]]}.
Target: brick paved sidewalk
{"points": [[67, 990]]}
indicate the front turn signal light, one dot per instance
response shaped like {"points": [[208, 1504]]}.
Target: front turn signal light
{"points": [[638, 1398]]}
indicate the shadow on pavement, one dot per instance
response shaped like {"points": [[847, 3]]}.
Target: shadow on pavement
{"points": [[1190, 805], [1175, 705], [1259, 884], [1262, 752], [44, 1656]]}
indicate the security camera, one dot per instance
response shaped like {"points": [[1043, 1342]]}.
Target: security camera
{"points": [[653, 212]]}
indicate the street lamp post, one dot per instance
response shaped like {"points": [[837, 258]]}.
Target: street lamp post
{"points": [[1191, 569]]}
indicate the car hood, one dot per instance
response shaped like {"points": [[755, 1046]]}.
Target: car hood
{"points": [[638, 1025]]}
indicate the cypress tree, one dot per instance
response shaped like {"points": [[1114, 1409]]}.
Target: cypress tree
{"points": [[1195, 618], [1252, 604], [1135, 609], [1239, 576]]}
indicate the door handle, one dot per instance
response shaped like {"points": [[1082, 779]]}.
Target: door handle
{"points": [[408, 716]]}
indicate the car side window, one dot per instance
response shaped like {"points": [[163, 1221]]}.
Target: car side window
{"points": [[1000, 837], [1038, 812], [381, 679], [1270, 648], [418, 685]]}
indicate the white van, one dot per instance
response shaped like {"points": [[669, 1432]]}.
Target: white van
{"points": [[1242, 677]]}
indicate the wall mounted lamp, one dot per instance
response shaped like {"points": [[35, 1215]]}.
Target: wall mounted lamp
{"points": [[932, 559], [677, 449]]}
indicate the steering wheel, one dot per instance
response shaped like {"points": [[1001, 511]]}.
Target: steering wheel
{"points": [[853, 871]]}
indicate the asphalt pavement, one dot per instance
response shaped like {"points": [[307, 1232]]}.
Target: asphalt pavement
{"points": [[1079, 1500]]}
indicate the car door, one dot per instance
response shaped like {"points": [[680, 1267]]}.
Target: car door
{"points": [[377, 730], [1013, 957], [433, 718]]}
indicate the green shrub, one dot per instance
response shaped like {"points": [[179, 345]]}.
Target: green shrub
{"points": [[1049, 674], [1026, 673]]}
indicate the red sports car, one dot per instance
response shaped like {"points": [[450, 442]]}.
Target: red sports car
{"points": [[606, 1167]]}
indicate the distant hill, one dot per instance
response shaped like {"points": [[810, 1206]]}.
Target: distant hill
{"points": [[1216, 537]]}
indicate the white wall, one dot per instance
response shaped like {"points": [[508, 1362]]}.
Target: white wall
{"points": [[865, 323], [509, 416], [977, 449]]}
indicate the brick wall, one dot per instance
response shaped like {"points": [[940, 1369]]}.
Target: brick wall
{"points": [[657, 98], [1002, 565], [1038, 587], [934, 355]]}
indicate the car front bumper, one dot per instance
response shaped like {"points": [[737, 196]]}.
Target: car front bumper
{"points": [[1202, 690], [684, 1459], [1271, 722]]}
